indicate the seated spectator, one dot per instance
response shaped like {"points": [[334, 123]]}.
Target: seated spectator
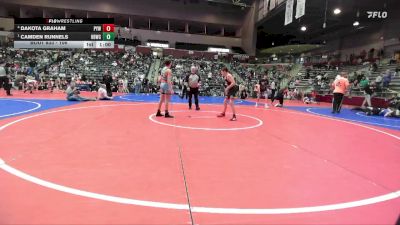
{"points": [[102, 93], [393, 60], [323, 85], [360, 77], [374, 67], [242, 91], [387, 78], [73, 94], [292, 85], [378, 81]]}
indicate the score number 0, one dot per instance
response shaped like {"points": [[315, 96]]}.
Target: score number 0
{"points": [[108, 27]]}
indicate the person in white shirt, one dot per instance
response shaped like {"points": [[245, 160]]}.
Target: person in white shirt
{"points": [[31, 84], [125, 85], [378, 80], [73, 94], [102, 93], [273, 90]]}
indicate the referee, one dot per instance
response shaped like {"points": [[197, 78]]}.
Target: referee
{"points": [[4, 80], [340, 86], [193, 81]]}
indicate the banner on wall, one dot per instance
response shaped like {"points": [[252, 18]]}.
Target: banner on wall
{"points": [[272, 4], [261, 4], [266, 2], [289, 12], [261, 10], [300, 8]]}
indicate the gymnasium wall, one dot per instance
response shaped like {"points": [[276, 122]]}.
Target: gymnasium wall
{"points": [[158, 8], [248, 30], [6, 24], [172, 38], [383, 36]]}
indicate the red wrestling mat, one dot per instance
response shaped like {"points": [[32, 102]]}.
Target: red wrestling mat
{"points": [[115, 163]]}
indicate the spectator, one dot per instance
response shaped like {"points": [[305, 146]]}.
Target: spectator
{"points": [[185, 87], [73, 94], [364, 82], [137, 84], [362, 55], [102, 93], [107, 79], [378, 81], [387, 78], [368, 91], [273, 90], [393, 60], [4, 79], [121, 85], [125, 85], [280, 97], [374, 67], [359, 61], [31, 84], [242, 91]]}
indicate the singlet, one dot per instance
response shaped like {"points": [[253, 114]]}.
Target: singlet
{"points": [[263, 84], [227, 82], [164, 75]]}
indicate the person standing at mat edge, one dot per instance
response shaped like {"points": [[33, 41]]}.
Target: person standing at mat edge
{"points": [[107, 80], [340, 85], [4, 80], [194, 83], [260, 88], [230, 92], [165, 89]]}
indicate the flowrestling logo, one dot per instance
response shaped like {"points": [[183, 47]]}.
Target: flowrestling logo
{"points": [[377, 14]]}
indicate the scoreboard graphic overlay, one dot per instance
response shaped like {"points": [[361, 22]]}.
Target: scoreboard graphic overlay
{"points": [[64, 33]]}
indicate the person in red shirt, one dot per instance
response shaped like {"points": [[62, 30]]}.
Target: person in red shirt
{"points": [[340, 86]]}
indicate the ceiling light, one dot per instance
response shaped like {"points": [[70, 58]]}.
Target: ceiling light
{"points": [[303, 28], [356, 23], [337, 11]]}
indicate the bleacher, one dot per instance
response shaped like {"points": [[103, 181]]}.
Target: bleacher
{"points": [[308, 83], [93, 64], [84, 66], [210, 86]]}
